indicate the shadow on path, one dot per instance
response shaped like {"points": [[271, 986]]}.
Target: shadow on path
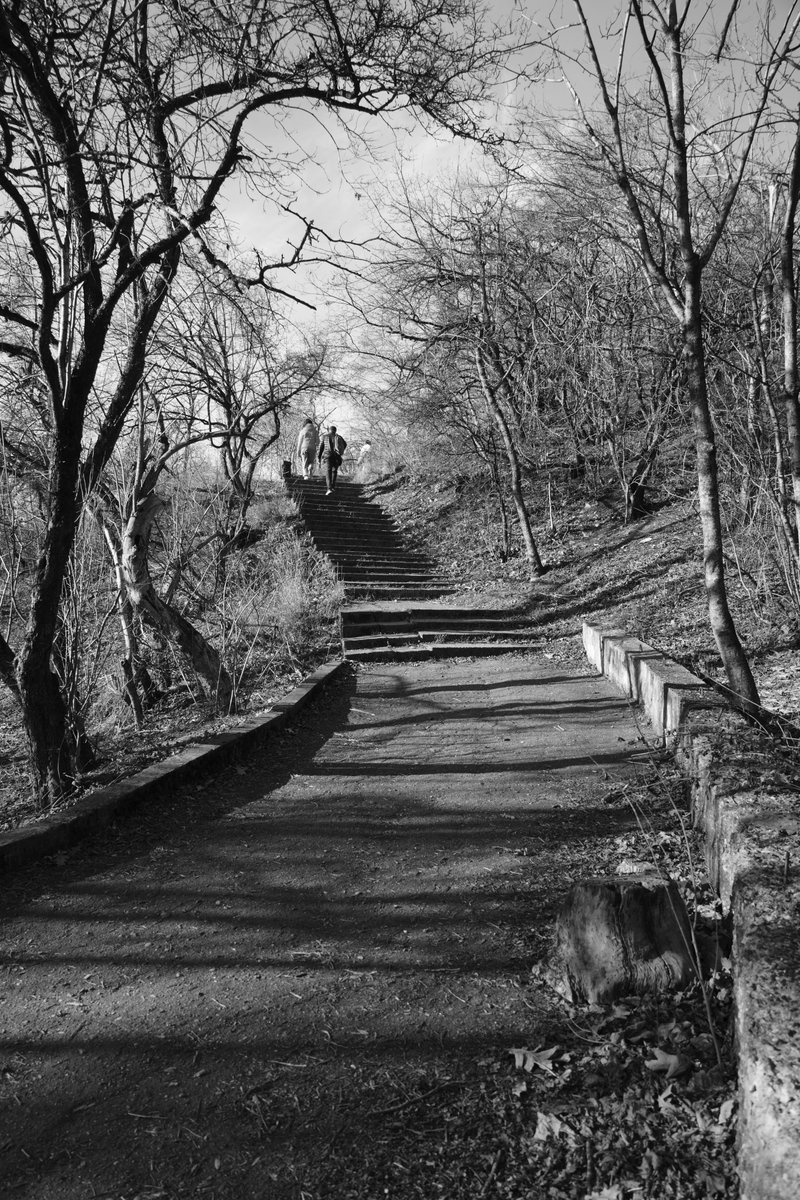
{"points": [[203, 1001]]}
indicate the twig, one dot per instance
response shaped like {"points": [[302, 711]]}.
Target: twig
{"points": [[383, 1112], [491, 1174]]}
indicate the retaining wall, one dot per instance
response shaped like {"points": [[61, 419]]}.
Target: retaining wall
{"points": [[101, 808], [751, 824]]}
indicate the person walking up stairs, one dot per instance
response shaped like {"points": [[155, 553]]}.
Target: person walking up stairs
{"points": [[331, 449]]}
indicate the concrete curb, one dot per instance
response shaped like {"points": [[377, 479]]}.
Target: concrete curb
{"points": [[752, 843], [665, 689], [100, 808]]}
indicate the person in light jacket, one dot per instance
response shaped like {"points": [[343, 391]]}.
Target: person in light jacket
{"points": [[307, 447], [331, 449]]}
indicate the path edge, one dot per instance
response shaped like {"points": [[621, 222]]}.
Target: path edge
{"points": [[98, 809], [752, 850]]}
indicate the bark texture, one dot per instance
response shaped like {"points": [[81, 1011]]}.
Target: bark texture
{"points": [[617, 937], [162, 617]]}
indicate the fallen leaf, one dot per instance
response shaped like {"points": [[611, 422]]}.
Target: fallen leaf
{"points": [[528, 1059], [632, 866], [672, 1064], [549, 1125], [619, 1012]]}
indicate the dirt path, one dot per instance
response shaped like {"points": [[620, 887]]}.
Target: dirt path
{"points": [[249, 992]]}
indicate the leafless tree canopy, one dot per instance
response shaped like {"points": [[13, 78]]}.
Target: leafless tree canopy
{"points": [[120, 124]]}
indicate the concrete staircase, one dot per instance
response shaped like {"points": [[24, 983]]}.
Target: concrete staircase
{"points": [[365, 545], [402, 631], [393, 611]]}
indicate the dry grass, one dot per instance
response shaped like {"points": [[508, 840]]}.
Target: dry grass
{"points": [[273, 620]]}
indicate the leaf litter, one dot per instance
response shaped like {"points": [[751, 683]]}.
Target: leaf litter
{"points": [[634, 1101]]}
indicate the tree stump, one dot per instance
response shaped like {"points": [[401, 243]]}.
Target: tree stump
{"points": [[619, 936]]}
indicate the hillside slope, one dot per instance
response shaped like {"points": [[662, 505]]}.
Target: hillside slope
{"points": [[646, 576]]}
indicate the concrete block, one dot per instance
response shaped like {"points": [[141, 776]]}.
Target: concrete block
{"points": [[299, 696], [767, 995], [594, 637], [622, 662], [668, 691]]}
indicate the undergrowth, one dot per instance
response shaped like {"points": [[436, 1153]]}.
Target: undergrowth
{"points": [[273, 617]]}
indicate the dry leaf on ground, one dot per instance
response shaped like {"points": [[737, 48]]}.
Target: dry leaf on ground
{"points": [[528, 1059], [672, 1064]]}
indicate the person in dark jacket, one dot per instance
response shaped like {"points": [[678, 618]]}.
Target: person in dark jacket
{"points": [[331, 449]]}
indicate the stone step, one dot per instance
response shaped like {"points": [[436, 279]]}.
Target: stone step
{"points": [[348, 527], [435, 650], [318, 491], [389, 573], [519, 637], [396, 593], [382, 582], [378, 582], [363, 551], [355, 533], [337, 500], [435, 626], [398, 561], [371, 556], [429, 614], [352, 539], [409, 587], [391, 566], [318, 481], [355, 539], [331, 508]]}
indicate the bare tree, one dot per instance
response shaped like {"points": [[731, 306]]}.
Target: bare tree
{"points": [[120, 123], [215, 380], [677, 215], [450, 282], [226, 367]]}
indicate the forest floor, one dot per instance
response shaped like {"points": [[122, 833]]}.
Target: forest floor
{"points": [[309, 978]]}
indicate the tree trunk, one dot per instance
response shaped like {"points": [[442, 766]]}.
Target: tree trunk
{"points": [[496, 410], [617, 937], [761, 305], [502, 509], [160, 616], [743, 690], [133, 671], [635, 483], [52, 753], [8, 668], [65, 668], [789, 306]]}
